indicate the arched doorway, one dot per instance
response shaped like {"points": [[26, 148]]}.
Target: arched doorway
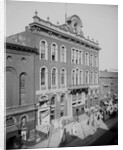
{"points": [[43, 110], [62, 104], [23, 123], [53, 106]]}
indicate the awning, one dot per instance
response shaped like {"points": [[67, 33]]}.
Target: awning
{"points": [[11, 131]]}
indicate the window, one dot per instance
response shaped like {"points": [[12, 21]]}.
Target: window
{"points": [[43, 50], [77, 76], [96, 61], [54, 52], [62, 113], [54, 77], [22, 81], [91, 60], [92, 77], [23, 121], [76, 56], [52, 108], [62, 98], [96, 77], [73, 77], [81, 77], [79, 57], [43, 70], [87, 77], [72, 55], [22, 88], [53, 100], [63, 77], [87, 59], [43, 77], [63, 54]]}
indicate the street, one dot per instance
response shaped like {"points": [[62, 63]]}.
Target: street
{"points": [[101, 137]]}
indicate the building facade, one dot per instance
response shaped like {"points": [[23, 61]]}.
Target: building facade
{"points": [[108, 82], [65, 70], [20, 96]]}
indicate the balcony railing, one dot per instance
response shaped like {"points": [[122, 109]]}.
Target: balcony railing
{"points": [[71, 86]]}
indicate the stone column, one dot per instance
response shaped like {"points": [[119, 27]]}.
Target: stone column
{"points": [[65, 105], [69, 105], [57, 108]]}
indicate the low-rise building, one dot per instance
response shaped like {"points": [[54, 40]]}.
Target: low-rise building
{"points": [[108, 82], [20, 95]]}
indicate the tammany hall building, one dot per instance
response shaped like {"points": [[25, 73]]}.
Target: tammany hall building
{"points": [[56, 73]]}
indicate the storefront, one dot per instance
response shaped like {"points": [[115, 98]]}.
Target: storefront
{"points": [[43, 111]]}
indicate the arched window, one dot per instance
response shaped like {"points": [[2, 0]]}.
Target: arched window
{"points": [[23, 122], [73, 77], [43, 50], [63, 53], [63, 77], [81, 77], [54, 77], [72, 55], [43, 77], [87, 77], [96, 60], [53, 100], [23, 77], [80, 57], [22, 80], [77, 56], [53, 105], [77, 76], [91, 60], [96, 77], [54, 52], [62, 98], [92, 77], [87, 59]]}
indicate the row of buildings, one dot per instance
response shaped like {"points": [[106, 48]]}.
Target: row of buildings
{"points": [[51, 71]]}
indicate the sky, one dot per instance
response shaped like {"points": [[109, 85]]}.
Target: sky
{"points": [[99, 22]]}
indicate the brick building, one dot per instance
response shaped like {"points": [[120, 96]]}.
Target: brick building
{"points": [[108, 82], [20, 96], [65, 69]]}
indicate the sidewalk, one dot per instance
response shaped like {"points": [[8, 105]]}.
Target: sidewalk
{"points": [[81, 130], [55, 138]]}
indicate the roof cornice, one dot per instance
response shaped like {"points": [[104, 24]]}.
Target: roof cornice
{"points": [[58, 30], [23, 48]]}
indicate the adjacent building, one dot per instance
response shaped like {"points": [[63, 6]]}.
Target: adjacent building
{"points": [[62, 74], [20, 91], [108, 82]]}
